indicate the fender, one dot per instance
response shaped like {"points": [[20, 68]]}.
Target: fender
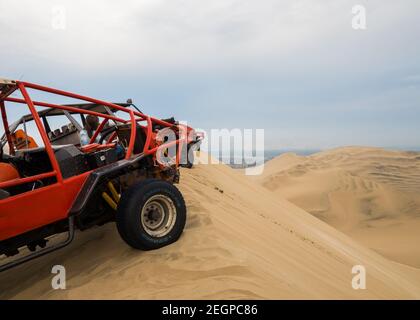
{"points": [[97, 177]]}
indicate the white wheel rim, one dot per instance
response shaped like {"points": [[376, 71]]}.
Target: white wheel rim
{"points": [[158, 216]]}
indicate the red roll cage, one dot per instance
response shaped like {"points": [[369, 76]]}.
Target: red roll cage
{"points": [[7, 87]]}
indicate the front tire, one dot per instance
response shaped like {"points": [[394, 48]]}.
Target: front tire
{"points": [[151, 215], [188, 157]]}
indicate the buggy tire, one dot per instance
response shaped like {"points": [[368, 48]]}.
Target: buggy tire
{"points": [[151, 214], [189, 161]]}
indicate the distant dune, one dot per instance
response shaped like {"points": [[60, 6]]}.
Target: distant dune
{"points": [[371, 194], [241, 242]]}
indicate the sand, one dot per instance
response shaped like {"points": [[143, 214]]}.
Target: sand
{"points": [[373, 195], [241, 242]]}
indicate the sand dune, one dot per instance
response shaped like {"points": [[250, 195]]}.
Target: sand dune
{"points": [[241, 242], [371, 194]]}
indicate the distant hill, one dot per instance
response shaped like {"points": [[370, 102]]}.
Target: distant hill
{"points": [[371, 194]]}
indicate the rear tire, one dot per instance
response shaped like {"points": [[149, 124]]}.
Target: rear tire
{"points": [[151, 215]]}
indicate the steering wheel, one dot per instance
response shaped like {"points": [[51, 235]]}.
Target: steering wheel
{"points": [[106, 132]]}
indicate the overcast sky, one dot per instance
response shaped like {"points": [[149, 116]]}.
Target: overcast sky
{"points": [[295, 68]]}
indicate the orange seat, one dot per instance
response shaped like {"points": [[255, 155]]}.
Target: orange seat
{"points": [[22, 141], [8, 172]]}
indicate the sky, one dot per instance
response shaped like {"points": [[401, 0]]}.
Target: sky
{"points": [[296, 69]]}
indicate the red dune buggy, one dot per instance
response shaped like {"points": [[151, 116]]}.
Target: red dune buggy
{"points": [[106, 162]]}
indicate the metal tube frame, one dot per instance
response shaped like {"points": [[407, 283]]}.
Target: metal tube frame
{"points": [[135, 117]]}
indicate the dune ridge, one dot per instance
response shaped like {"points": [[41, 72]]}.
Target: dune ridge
{"points": [[371, 194], [241, 242]]}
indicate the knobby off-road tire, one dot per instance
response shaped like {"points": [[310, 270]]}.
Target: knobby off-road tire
{"points": [[190, 160], [187, 158], [151, 215]]}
